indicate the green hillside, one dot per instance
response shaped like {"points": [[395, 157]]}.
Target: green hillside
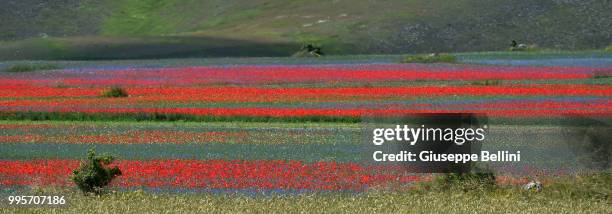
{"points": [[340, 26]]}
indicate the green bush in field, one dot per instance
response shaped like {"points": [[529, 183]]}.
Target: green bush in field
{"points": [[115, 92], [309, 50], [94, 174], [609, 48], [30, 67], [430, 58], [601, 75], [523, 47], [479, 179]]}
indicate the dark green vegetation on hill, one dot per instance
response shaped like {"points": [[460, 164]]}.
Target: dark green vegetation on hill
{"points": [[96, 48], [193, 28]]}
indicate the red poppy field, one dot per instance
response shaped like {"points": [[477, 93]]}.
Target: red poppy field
{"points": [[260, 128]]}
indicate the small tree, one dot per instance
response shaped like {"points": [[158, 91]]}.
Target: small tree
{"points": [[309, 50], [94, 173], [115, 92]]}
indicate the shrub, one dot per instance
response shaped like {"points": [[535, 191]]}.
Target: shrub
{"points": [[523, 47], [430, 58], [94, 173], [30, 67], [309, 50], [479, 179], [609, 48], [601, 75], [590, 143], [114, 92]]}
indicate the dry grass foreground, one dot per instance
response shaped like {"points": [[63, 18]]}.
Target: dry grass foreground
{"points": [[575, 195]]}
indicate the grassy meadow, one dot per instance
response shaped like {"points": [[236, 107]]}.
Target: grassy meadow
{"points": [[587, 194]]}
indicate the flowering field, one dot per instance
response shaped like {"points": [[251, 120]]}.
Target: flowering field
{"points": [[261, 128]]}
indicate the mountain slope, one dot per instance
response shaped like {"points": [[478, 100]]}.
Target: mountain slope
{"points": [[340, 26]]}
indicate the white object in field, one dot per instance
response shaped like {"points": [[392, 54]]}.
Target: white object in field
{"points": [[533, 186]]}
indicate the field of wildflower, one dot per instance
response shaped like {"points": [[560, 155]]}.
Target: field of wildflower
{"points": [[284, 127]]}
